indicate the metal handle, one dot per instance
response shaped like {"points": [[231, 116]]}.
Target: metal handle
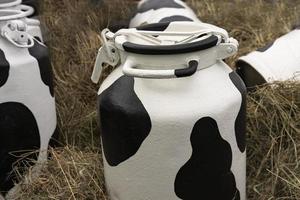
{"points": [[130, 69], [27, 10]]}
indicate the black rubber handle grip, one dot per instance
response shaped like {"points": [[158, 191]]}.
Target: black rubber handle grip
{"points": [[171, 49]]}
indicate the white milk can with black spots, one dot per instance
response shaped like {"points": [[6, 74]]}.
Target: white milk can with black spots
{"points": [[27, 105], [278, 61], [172, 114], [29, 12], [158, 11]]}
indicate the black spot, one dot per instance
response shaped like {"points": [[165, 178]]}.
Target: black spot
{"points": [[250, 76], [118, 24], [207, 175], [265, 48], [175, 18], [38, 38], [240, 122], [237, 196], [154, 27], [157, 4], [125, 123], [4, 69], [40, 52], [19, 134]]}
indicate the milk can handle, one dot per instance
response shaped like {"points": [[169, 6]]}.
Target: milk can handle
{"points": [[17, 14], [130, 69], [27, 10]]}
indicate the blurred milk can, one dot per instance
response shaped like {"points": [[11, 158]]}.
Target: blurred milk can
{"points": [[154, 11], [172, 113], [278, 61], [27, 11], [27, 105]]}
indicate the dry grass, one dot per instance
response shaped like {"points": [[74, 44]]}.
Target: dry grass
{"points": [[75, 172]]}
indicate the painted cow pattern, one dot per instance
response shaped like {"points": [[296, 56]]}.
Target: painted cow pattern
{"points": [[4, 69], [155, 11], [277, 61], [39, 51], [157, 4], [175, 18], [126, 123], [208, 172], [240, 123], [27, 108], [155, 146], [19, 134]]}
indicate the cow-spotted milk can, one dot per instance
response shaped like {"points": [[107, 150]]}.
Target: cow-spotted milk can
{"points": [[172, 113]]}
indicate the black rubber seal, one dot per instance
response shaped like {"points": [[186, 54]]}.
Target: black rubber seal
{"points": [[171, 49]]}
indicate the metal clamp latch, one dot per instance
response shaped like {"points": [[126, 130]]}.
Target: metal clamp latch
{"points": [[15, 31], [107, 54]]}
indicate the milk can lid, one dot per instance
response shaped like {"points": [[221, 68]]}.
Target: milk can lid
{"points": [[201, 42]]}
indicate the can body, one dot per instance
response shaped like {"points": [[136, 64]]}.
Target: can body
{"points": [[156, 11], [278, 61], [174, 138], [27, 107]]}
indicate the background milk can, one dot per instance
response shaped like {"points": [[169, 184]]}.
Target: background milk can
{"points": [[172, 114], [28, 12], [278, 61], [27, 105], [154, 11]]}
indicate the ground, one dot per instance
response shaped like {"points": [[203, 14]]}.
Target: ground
{"points": [[72, 30]]}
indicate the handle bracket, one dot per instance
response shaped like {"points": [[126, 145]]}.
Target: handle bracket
{"points": [[15, 32]]}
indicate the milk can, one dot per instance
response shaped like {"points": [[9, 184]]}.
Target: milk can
{"points": [[278, 61], [28, 11], [27, 106], [172, 114], [154, 11]]}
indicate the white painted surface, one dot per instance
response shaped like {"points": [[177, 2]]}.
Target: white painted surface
{"points": [[281, 61], [154, 16], [25, 86], [174, 106]]}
